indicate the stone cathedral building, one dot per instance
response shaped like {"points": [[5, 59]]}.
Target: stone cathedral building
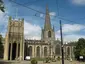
{"points": [[16, 47]]}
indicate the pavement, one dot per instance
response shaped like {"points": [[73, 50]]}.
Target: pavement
{"points": [[57, 62], [41, 62]]}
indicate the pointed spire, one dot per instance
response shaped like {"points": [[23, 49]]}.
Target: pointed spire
{"points": [[9, 21], [47, 11], [10, 18], [47, 20]]}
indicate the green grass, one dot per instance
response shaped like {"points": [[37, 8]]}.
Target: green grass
{"points": [[39, 59]]}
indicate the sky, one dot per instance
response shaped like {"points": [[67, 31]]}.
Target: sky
{"points": [[70, 12]]}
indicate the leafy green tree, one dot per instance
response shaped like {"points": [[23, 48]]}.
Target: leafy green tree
{"points": [[1, 47], [2, 6], [80, 48], [82, 52]]}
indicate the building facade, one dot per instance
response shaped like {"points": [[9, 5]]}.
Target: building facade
{"points": [[14, 40], [16, 47]]}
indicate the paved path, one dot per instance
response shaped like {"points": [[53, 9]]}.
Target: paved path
{"points": [[57, 62], [41, 62], [68, 62]]}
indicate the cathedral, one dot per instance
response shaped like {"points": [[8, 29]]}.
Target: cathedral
{"points": [[16, 47], [44, 47]]}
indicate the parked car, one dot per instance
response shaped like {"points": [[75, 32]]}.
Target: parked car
{"points": [[27, 58]]}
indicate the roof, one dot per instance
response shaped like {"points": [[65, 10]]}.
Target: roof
{"points": [[36, 42], [69, 44]]}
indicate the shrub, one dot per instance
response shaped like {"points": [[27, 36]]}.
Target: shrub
{"points": [[58, 58], [47, 60], [53, 60], [33, 61]]}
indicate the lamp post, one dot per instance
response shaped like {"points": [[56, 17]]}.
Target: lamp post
{"points": [[62, 51]]}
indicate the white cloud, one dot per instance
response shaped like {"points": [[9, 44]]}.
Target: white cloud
{"points": [[52, 13], [71, 28], [72, 37], [78, 2], [32, 31], [3, 23], [41, 15]]}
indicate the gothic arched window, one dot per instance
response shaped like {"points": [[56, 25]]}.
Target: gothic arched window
{"points": [[45, 51], [29, 51], [68, 51], [38, 51], [49, 34]]}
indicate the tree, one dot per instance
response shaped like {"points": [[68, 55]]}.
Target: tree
{"points": [[2, 6], [80, 48], [82, 52], [1, 47]]}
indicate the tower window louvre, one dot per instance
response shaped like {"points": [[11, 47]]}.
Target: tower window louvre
{"points": [[49, 34]]}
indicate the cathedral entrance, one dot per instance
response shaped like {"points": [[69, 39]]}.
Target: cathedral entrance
{"points": [[14, 51]]}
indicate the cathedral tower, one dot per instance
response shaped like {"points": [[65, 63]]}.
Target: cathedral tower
{"points": [[14, 40], [48, 33]]}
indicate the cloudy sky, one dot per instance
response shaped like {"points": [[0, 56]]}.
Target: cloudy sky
{"points": [[70, 12]]}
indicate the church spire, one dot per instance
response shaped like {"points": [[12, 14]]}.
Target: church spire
{"points": [[47, 24]]}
